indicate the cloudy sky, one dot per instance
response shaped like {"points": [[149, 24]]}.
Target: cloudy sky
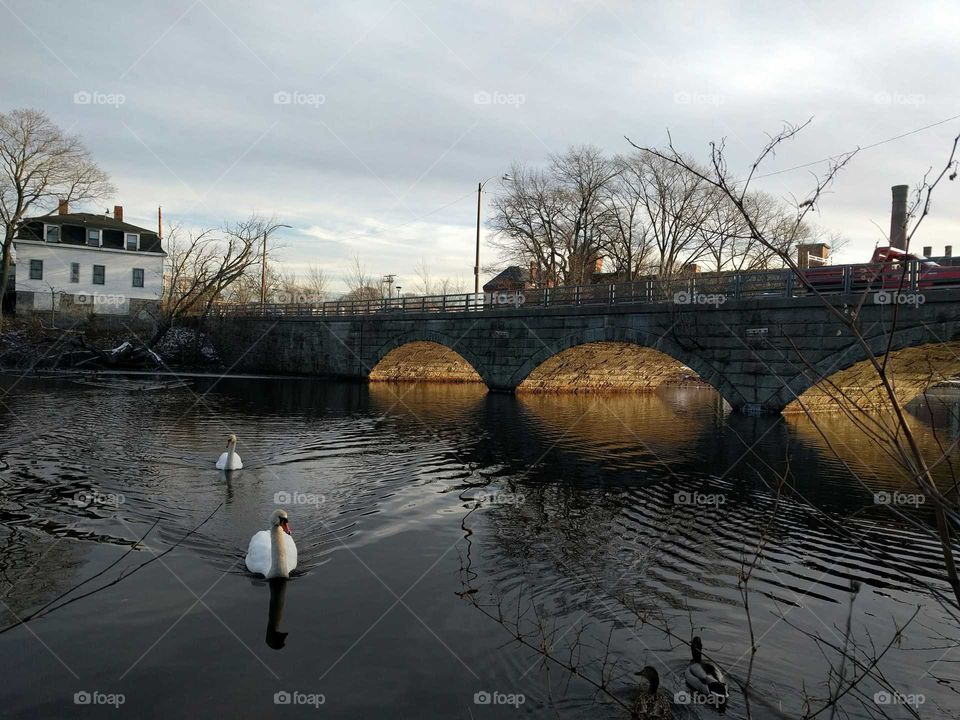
{"points": [[367, 125]]}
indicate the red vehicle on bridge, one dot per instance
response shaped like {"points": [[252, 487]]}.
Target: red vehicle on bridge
{"points": [[889, 269]]}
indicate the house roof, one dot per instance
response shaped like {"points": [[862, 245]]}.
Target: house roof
{"points": [[512, 275], [104, 222]]}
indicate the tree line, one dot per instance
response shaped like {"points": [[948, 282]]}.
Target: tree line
{"points": [[638, 213]]}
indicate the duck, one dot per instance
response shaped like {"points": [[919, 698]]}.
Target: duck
{"points": [[273, 553], [229, 460], [705, 678], [649, 703]]}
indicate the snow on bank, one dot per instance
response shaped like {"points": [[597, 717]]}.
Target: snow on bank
{"points": [[186, 344]]}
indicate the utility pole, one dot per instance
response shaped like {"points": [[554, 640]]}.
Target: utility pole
{"points": [[476, 266], [263, 274]]}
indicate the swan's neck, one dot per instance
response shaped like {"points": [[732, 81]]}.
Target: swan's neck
{"points": [[231, 455], [278, 551]]}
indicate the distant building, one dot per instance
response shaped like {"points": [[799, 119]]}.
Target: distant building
{"points": [[812, 255], [947, 258], [83, 263], [512, 279]]}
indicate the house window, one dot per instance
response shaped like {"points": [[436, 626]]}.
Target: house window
{"points": [[36, 269], [51, 233], [133, 241], [138, 277], [74, 272], [93, 238], [99, 274]]}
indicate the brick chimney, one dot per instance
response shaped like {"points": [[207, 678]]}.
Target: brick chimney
{"points": [[898, 217], [118, 213], [63, 208], [812, 255]]}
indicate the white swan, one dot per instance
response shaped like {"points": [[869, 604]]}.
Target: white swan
{"points": [[230, 460], [273, 553]]}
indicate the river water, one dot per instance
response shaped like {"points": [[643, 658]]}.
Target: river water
{"points": [[601, 522]]}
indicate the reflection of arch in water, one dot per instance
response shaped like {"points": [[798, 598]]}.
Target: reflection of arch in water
{"points": [[617, 428], [428, 402], [603, 366], [912, 370], [869, 458], [423, 360]]}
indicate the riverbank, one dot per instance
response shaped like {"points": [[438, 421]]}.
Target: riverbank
{"points": [[29, 344]]}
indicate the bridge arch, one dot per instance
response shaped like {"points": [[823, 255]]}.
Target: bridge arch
{"points": [[426, 353], [919, 357], [631, 336]]}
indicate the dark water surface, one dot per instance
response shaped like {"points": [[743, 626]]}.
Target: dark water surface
{"points": [[584, 534]]}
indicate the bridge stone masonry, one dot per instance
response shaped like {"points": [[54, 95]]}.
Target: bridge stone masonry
{"points": [[759, 353]]}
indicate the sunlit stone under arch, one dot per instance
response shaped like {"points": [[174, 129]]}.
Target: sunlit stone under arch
{"points": [[424, 361]]}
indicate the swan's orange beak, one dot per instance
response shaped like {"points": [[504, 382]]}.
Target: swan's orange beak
{"points": [[285, 524]]}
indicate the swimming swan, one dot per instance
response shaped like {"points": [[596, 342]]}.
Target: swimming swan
{"points": [[273, 553], [230, 460]]}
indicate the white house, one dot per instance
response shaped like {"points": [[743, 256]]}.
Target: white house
{"points": [[87, 263]]}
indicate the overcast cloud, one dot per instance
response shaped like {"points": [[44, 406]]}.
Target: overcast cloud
{"points": [[380, 147]]}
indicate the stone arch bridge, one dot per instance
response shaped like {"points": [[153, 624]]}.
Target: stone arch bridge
{"points": [[759, 353]]}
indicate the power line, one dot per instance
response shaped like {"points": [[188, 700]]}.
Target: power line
{"points": [[865, 147]]}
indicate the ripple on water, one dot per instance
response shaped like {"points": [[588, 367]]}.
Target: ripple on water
{"points": [[592, 526]]}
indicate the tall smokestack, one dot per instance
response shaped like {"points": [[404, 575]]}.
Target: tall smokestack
{"points": [[898, 217], [159, 223]]}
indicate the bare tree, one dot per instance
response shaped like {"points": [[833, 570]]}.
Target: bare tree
{"points": [[451, 286], [556, 217], [316, 283], [731, 246], [424, 284], [627, 235], [564, 218], [529, 224], [360, 285], [582, 175], [40, 165], [677, 206], [894, 434], [286, 288], [646, 215], [202, 266]]}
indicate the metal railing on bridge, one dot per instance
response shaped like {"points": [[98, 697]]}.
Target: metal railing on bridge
{"points": [[708, 288]]}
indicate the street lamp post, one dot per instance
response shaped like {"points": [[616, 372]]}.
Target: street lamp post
{"points": [[263, 265], [476, 265]]}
